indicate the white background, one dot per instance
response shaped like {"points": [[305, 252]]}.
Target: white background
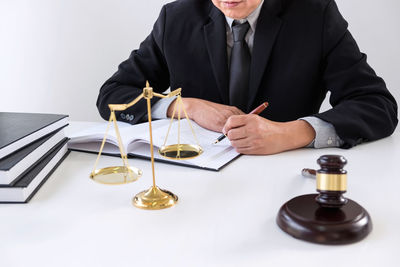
{"points": [[55, 55]]}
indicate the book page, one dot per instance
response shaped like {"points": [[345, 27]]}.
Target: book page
{"points": [[136, 140], [90, 139], [214, 156]]}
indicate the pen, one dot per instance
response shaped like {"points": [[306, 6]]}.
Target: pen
{"points": [[257, 110]]}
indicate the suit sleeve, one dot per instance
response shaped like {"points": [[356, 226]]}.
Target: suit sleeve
{"points": [[146, 63], [363, 109]]}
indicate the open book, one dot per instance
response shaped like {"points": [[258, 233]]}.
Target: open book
{"points": [[136, 142]]}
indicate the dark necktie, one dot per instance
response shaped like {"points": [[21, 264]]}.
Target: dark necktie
{"points": [[239, 67]]}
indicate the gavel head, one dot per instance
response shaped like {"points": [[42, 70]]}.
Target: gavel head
{"points": [[331, 181]]}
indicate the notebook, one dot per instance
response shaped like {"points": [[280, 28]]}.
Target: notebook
{"points": [[30, 182], [23, 159], [136, 142]]}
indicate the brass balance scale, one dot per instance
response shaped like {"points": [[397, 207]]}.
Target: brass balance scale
{"points": [[154, 198]]}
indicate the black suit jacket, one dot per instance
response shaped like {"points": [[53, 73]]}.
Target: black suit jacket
{"points": [[302, 49]]}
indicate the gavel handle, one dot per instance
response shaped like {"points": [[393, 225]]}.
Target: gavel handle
{"points": [[309, 173]]}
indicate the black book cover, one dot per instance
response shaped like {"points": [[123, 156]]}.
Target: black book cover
{"points": [[10, 161], [17, 126], [25, 179]]}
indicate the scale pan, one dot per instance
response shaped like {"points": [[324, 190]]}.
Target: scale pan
{"points": [[116, 175], [180, 152]]}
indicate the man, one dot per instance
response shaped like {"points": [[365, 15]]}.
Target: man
{"points": [[229, 56]]}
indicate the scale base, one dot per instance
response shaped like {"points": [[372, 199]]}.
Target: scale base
{"points": [[303, 218], [154, 199]]}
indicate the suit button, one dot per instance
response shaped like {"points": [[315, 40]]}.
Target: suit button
{"points": [[123, 116]]}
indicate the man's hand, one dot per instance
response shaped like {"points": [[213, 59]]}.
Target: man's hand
{"points": [[207, 114], [252, 134]]}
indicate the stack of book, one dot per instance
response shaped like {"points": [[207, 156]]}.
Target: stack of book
{"points": [[31, 148]]}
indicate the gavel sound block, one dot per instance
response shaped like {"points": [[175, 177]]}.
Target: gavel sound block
{"points": [[327, 217]]}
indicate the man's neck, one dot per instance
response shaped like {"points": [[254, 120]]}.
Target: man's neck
{"points": [[251, 18]]}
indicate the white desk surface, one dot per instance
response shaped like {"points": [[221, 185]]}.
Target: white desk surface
{"points": [[224, 218]]}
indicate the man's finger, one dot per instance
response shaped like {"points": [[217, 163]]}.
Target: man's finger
{"points": [[234, 121], [236, 133], [240, 143]]}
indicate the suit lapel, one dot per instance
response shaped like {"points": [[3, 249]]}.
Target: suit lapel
{"points": [[215, 38], [268, 26]]}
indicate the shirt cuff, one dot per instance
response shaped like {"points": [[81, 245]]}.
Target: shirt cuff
{"points": [[325, 133], [160, 108]]}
